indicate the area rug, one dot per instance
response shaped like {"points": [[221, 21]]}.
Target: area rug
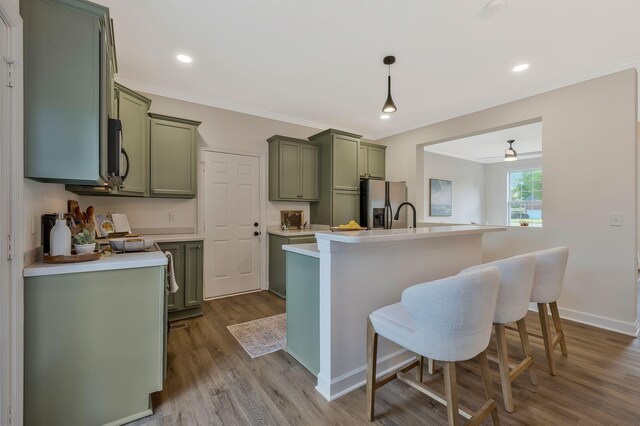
{"points": [[262, 336]]}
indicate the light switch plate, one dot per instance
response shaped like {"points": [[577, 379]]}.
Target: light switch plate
{"points": [[172, 216], [615, 219]]}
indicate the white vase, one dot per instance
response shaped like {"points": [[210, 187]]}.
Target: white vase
{"points": [[60, 239]]}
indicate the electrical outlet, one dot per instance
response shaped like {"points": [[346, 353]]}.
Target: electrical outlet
{"points": [[172, 216], [615, 219]]}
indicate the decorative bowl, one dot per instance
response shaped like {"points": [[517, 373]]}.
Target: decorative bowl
{"points": [[130, 244], [85, 248]]}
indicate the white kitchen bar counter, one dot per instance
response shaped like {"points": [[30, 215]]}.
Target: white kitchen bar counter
{"points": [[106, 263], [406, 234], [361, 271]]}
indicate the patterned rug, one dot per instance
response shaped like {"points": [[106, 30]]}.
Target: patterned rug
{"points": [[262, 336]]}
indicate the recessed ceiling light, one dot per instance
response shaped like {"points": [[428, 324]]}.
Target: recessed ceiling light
{"points": [[385, 116], [184, 58], [520, 67], [495, 6]]}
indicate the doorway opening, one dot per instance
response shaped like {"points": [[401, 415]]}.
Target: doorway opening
{"points": [[493, 178]]}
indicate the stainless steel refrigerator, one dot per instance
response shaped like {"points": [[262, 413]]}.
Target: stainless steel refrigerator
{"points": [[379, 201]]}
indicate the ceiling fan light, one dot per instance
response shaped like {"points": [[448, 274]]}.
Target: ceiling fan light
{"points": [[510, 154]]}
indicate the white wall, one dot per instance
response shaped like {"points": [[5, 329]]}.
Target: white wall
{"points": [[40, 198], [220, 129], [590, 165], [468, 183], [496, 183]]}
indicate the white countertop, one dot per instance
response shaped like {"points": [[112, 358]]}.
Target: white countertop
{"points": [[106, 263], [402, 234], [314, 229], [304, 249]]}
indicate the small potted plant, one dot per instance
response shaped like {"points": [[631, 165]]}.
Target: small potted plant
{"points": [[84, 242], [524, 223]]}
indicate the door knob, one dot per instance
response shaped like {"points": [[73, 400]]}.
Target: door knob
{"points": [[256, 233], [255, 224]]}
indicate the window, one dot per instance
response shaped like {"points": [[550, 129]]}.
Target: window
{"points": [[525, 197]]}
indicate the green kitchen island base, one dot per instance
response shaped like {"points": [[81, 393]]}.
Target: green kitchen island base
{"points": [[303, 308]]}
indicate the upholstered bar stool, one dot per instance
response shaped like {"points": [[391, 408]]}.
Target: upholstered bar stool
{"points": [[516, 281], [447, 320], [547, 285]]}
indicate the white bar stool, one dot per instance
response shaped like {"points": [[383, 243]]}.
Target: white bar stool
{"points": [[516, 282], [547, 286], [447, 320]]}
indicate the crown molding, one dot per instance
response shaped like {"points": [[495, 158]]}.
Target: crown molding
{"points": [[622, 65], [229, 106]]}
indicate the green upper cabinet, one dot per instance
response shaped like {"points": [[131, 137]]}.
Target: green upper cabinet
{"points": [[132, 111], [372, 161], [66, 82], [339, 196], [345, 162], [293, 169], [173, 157]]}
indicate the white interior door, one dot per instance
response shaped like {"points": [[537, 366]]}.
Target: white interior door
{"points": [[231, 222]]}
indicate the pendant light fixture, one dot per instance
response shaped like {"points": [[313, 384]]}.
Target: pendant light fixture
{"points": [[389, 105], [510, 154]]}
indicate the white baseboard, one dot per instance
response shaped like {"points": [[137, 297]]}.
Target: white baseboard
{"points": [[605, 323], [354, 379]]}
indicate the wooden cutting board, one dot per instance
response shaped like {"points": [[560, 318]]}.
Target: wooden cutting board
{"points": [[74, 258]]}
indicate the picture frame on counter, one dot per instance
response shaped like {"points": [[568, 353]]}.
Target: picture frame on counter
{"points": [[291, 219]]}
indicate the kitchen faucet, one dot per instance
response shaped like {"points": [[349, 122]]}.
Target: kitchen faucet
{"points": [[397, 216]]}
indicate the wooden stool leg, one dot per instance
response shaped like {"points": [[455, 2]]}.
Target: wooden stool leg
{"points": [[431, 366], [556, 320], [420, 369], [451, 391], [486, 382], [546, 336], [524, 339], [372, 355], [503, 362]]}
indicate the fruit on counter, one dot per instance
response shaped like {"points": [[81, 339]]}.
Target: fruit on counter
{"points": [[351, 225]]}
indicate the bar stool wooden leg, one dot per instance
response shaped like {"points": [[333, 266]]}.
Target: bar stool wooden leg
{"points": [[524, 339], [556, 320], [420, 369], [488, 387], [546, 336], [451, 392], [503, 362], [372, 355], [431, 366]]}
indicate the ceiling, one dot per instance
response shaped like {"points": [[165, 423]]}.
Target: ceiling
{"points": [[320, 63], [489, 147]]}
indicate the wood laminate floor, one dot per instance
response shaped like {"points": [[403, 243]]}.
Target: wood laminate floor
{"points": [[212, 381]]}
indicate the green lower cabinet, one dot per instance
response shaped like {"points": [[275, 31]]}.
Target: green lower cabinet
{"points": [[188, 267], [94, 346], [278, 261], [173, 157], [303, 310]]}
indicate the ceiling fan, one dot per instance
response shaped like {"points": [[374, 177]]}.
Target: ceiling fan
{"points": [[529, 154]]}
